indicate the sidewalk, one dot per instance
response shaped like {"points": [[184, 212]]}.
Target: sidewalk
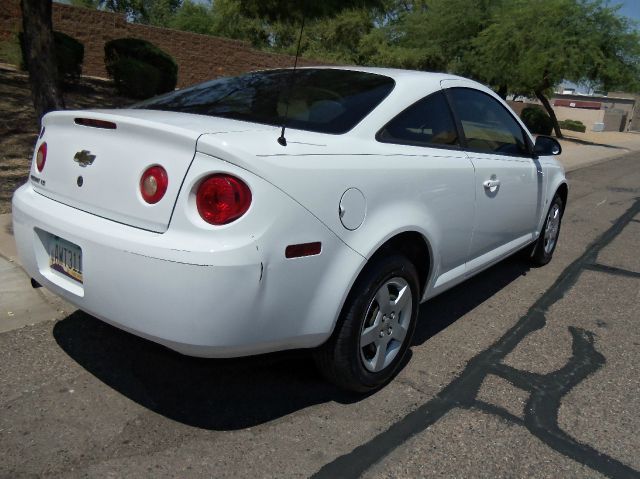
{"points": [[20, 304], [585, 149]]}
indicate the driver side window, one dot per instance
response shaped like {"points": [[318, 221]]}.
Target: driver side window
{"points": [[427, 122], [487, 126]]}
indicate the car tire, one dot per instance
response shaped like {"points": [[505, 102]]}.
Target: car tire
{"points": [[542, 250], [376, 326]]}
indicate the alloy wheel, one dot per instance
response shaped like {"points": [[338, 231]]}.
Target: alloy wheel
{"points": [[386, 324]]}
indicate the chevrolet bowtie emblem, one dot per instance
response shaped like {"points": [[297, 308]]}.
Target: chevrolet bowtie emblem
{"points": [[84, 158]]}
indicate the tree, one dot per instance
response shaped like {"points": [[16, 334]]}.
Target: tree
{"points": [[85, 3], [39, 54], [436, 35], [294, 10], [336, 39], [368, 35], [159, 13], [153, 12], [532, 45], [230, 21], [193, 17]]}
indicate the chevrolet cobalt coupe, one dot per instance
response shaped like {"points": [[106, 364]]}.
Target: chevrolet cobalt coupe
{"points": [[192, 220]]}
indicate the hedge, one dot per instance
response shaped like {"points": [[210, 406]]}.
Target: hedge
{"points": [[136, 79], [139, 68], [537, 121], [69, 54], [573, 125]]}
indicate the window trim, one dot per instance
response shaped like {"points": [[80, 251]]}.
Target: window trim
{"points": [[399, 141], [447, 92]]}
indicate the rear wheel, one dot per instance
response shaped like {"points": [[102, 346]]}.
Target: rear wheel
{"points": [[375, 328], [542, 250]]}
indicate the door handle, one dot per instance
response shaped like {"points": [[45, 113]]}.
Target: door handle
{"points": [[491, 185]]}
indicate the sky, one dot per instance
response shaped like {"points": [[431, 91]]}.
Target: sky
{"points": [[630, 8]]}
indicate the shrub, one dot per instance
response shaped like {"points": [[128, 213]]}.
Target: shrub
{"points": [[573, 125], [69, 55], [135, 79], [537, 121], [132, 63]]}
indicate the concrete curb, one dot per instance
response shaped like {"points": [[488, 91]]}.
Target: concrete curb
{"points": [[20, 304], [7, 244], [597, 161]]}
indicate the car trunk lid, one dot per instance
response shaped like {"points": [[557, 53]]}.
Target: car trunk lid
{"points": [[96, 167]]}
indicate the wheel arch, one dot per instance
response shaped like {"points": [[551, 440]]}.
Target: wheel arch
{"points": [[415, 246], [563, 191], [410, 242]]}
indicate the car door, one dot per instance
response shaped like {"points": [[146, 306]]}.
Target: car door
{"points": [[426, 131], [508, 182]]}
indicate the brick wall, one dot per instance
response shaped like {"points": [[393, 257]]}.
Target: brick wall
{"points": [[10, 19], [199, 57]]}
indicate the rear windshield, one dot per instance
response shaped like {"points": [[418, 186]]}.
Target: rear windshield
{"points": [[322, 100]]}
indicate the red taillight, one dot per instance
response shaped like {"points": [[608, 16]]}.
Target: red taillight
{"points": [[41, 157], [153, 184], [222, 199]]}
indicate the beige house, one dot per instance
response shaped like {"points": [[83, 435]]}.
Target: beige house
{"points": [[617, 111]]}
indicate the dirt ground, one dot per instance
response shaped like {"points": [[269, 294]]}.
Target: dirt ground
{"points": [[19, 129]]}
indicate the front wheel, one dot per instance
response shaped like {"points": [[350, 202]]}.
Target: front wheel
{"points": [[542, 250], [375, 328]]}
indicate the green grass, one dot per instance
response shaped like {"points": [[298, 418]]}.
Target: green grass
{"points": [[10, 52]]}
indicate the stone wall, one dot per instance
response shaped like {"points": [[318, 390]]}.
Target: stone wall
{"points": [[199, 57], [10, 19]]}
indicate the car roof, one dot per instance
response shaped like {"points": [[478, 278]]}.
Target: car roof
{"points": [[400, 76]]}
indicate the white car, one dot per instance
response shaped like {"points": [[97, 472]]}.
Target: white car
{"points": [[191, 220]]}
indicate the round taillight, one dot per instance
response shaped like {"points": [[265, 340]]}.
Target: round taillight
{"points": [[222, 199], [41, 156], [153, 184]]}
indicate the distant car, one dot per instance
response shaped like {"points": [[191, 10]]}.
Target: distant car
{"points": [[187, 221]]}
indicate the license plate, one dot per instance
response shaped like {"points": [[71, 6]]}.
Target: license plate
{"points": [[66, 258]]}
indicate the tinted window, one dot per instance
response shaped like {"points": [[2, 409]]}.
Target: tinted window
{"points": [[486, 124], [323, 100], [425, 123]]}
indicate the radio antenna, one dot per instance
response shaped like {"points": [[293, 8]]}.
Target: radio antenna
{"points": [[282, 140]]}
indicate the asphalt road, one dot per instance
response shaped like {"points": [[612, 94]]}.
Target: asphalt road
{"points": [[517, 373]]}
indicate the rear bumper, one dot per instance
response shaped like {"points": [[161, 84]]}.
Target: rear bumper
{"points": [[216, 302]]}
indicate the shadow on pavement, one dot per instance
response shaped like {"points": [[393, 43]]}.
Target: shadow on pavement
{"points": [[218, 394], [229, 394], [443, 310], [580, 141]]}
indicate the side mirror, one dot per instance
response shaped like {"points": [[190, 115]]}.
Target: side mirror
{"points": [[546, 146]]}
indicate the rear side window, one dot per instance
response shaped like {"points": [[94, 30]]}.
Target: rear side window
{"points": [[425, 123], [322, 100], [487, 125]]}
